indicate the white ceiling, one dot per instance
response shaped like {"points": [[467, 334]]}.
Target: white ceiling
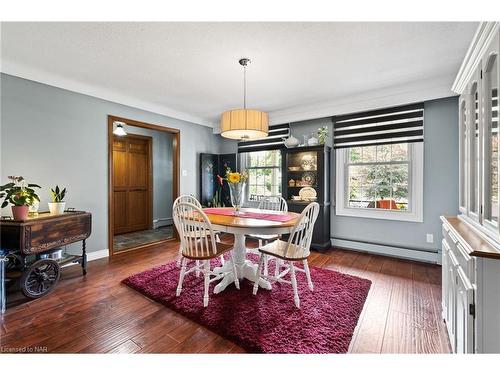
{"points": [[190, 70]]}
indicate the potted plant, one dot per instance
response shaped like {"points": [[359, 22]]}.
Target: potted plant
{"points": [[56, 207], [322, 135], [20, 194]]}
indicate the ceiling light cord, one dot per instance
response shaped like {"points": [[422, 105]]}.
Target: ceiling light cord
{"points": [[244, 87]]}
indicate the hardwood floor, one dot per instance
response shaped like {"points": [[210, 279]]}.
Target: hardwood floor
{"points": [[98, 314]]}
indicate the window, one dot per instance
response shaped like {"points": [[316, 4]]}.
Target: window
{"points": [[381, 181], [377, 177], [380, 156], [264, 174]]}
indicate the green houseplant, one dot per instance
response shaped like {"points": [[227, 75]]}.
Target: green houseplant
{"points": [[322, 135], [20, 194], [57, 204]]}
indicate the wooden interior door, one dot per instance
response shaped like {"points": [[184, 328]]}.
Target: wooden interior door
{"points": [[132, 185]]}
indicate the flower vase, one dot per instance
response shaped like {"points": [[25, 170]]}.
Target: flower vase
{"points": [[237, 191]]}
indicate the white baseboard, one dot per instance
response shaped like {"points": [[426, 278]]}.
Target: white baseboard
{"points": [[93, 255], [397, 252]]}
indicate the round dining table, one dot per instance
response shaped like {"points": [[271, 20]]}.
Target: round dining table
{"points": [[240, 226]]}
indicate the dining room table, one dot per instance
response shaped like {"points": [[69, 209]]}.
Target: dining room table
{"points": [[244, 222]]}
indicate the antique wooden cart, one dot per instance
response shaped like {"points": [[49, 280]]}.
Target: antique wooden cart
{"points": [[32, 252]]}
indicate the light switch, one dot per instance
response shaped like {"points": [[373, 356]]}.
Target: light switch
{"points": [[184, 173], [430, 238]]}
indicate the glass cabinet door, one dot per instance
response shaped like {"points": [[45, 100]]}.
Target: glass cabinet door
{"points": [[474, 142], [490, 83], [463, 152]]}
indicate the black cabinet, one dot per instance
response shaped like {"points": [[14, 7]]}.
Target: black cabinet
{"points": [[305, 173], [211, 192]]}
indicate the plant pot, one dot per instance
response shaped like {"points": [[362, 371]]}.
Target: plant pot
{"points": [[20, 212], [57, 208]]}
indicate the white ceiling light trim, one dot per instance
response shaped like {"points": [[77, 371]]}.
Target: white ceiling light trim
{"points": [[19, 70]]}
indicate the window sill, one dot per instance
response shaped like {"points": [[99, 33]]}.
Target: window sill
{"points": [[380, 214]]}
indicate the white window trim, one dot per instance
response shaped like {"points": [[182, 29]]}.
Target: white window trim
{"points": [[416, 188], [244, 166]]}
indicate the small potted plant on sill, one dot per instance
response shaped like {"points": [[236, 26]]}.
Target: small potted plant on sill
{"points": [[56, 207], [20, 194], [322, 134]]}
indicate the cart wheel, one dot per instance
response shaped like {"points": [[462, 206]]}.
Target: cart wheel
{"points": [[40, 278], [14, 265]]}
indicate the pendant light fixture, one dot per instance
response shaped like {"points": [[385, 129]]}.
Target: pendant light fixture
{"points": [[244, 123], [119, 130]]}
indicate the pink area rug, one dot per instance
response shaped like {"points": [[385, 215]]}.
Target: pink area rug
{"points": [[268, 322]]}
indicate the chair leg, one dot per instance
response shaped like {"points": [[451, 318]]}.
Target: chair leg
{"points": [[236, 280], [181, 276], [217, 239], [277, 266], [308, 275], [257, 275], [207, 282], [197, 268], [294, 285], [179, 257], [266, 270]]}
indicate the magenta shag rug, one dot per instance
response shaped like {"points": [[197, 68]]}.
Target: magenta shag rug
{"points": [[269, 321]]}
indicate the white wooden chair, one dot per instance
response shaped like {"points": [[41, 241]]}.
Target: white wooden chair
{"points": [[273, 203], [202, 247], [296, 249], [191, 199]]}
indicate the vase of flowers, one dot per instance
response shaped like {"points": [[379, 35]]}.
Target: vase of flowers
{"points": [[20, 194], [236, 182]]}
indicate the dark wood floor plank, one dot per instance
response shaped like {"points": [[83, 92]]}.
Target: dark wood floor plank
{"points": [[369, 336], [219, 346], [398, 335], [195, 343], [426, 323], [127, 347]]}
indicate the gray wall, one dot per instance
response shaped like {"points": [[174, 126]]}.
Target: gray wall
{"points": [[53, 136], [163, 164], [440, 184]]}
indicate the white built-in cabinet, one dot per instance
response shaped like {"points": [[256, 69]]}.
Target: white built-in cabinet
{"points": [[478, 84], [470, 288], [471, 241]]}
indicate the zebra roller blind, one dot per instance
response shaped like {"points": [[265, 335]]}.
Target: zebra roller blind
{"points": [[273, 141], [383, 126]]}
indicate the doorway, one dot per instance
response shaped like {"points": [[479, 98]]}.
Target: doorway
{"points": [[143, 183]]}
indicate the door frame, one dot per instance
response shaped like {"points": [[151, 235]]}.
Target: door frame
{"points": [[175, 170], [149, 141]]}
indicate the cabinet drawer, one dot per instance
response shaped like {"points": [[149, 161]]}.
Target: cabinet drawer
{"points": [[464, 260]]}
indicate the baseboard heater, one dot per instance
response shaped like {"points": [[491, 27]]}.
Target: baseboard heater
{"points": [[422, 255], [161, 222]]}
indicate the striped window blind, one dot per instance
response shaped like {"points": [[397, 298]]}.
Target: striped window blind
{"points": [[273, 141], [494, 109], [403, 124]]}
